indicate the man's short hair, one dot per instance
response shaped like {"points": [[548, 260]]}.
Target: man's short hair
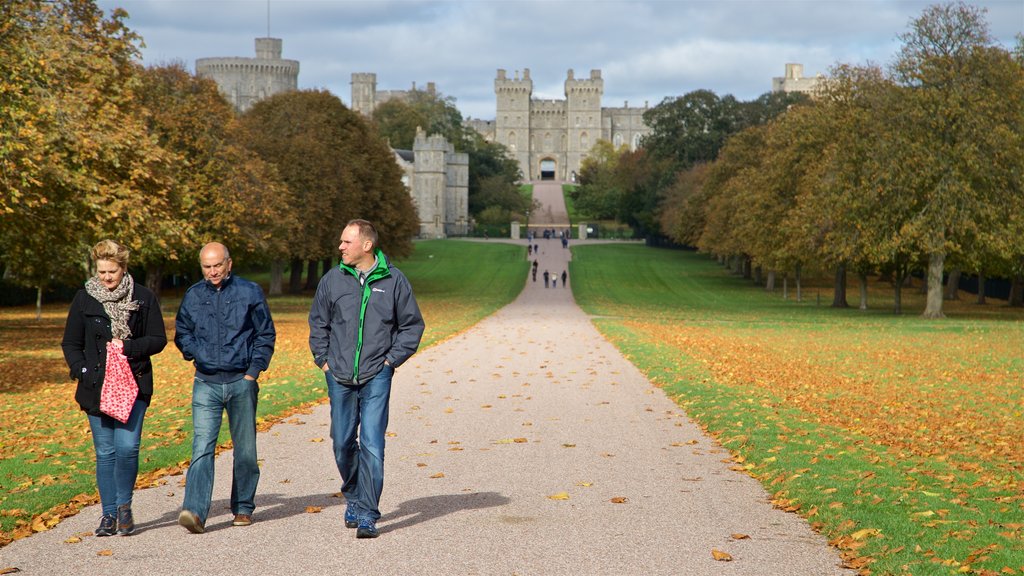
{"points": [[366, 230]]}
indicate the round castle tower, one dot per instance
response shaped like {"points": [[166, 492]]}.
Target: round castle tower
{"points": [[245, 81]]}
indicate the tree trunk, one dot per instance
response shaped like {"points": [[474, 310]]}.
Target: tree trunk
{"points": [[758, 275], [327, 263], [39, 303], [785, 286], [746, 268], [1017, 291], [863, 283], [799, 286], [154, 275], [898, 297], [933, 308], [277, 277], [839, 294], [953, 285], [981, 288], [311, 274], [770, 283], [295, 280]]}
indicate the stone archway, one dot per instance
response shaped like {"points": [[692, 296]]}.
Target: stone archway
{"points": [[548, 167]]}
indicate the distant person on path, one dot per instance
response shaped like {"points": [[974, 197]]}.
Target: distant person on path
{"points": [[546, 278], [224, 328], [113, 312], [565, 276], [363, 324], [529, 249], [554, 281]]}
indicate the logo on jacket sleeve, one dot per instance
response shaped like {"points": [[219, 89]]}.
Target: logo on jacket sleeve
{"points": [[381, 290]]}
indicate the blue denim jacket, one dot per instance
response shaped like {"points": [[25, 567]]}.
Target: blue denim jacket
{"points": [[227, 332]]}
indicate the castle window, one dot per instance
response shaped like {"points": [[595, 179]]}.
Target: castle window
{"points": [[547, 142], [584, 142], [618, 140], [512, 141]]}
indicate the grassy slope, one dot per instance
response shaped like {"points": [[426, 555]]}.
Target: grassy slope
{"points": [[899, 438]]}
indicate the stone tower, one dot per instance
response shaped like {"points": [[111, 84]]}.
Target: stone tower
{"points": [[456, 196], [583, 111], [430, 182], [364, 93], [245, 81], [512, 123]]}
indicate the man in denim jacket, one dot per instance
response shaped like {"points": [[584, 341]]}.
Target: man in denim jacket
{"points": [[364, 323], [224, 327]]}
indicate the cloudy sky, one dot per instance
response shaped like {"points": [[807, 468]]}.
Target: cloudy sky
{"points": [[647, 50]]}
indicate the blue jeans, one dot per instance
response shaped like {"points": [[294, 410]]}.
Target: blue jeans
{"points": [[209, 401], [360, 411], [117, 456]]}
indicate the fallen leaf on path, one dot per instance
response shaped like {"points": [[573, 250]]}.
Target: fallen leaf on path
{"points": [[560, 496], [73, 540], [316, 439], [105, 553], [585, 484], [10, 570], [313, 509], [438, 475], [619, 500], [721, 556], [740, 537], [568, 445]]}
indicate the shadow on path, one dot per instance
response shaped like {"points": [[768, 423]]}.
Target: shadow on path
{"points": [[428, 508]]}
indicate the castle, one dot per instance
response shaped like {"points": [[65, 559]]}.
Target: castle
{"points": [[548, 138]]}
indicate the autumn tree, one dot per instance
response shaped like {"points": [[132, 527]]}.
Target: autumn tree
{"points": [[951, 124], [336, 167], [222, 191], [77, 162]]}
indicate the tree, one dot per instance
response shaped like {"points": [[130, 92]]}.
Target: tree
{"points": [[598, 194], [77, 162], [221, 190], [949, 121], [337, 168]]}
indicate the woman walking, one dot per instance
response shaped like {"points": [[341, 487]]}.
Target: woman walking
{"points": [[114, 313]]}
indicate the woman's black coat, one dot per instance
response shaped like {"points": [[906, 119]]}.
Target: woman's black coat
{"points": [[85, 345]]}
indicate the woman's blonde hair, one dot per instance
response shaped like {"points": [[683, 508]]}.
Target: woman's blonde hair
{"points": [[112, 251]]}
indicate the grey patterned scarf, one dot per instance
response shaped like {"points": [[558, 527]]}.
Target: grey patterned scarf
{"points": [[117, 303]]}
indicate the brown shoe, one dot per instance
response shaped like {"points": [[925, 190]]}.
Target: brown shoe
{"points": [[190, 520], [242, 520]]}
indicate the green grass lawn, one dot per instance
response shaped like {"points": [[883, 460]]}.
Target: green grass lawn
{"points": [[46, 457], [898, 438]]}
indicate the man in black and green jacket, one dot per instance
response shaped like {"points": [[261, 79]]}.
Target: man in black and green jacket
{"points": [[364, 323]]}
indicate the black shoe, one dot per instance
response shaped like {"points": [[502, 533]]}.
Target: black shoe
{"points": [[367, 529], [190, 520], [125, 522], [108, 525]]}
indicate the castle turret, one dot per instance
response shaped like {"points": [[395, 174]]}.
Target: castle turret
{"points": [[512, 124], [364, 92], [583, 108]]}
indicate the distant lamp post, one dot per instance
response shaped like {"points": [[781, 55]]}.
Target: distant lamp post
{"points": [[527, 219]]}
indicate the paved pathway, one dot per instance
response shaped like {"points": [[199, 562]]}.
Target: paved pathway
{"points": [[486, 428]]}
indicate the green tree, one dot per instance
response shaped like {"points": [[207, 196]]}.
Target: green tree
{"points": [[598, 195]]}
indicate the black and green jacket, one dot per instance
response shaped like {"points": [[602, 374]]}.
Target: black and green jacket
{"points": [[354, 328]]}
